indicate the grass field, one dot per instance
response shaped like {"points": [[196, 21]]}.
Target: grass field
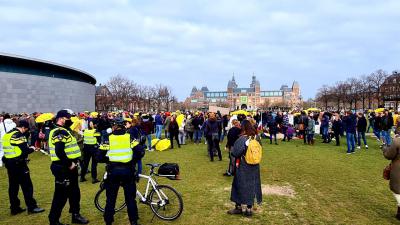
{"points": [[323, 184]]}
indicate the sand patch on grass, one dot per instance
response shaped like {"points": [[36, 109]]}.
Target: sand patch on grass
{"points": [[286, 191]]}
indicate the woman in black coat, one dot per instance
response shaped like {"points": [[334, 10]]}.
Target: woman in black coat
{"points": [[233, 135], [337, 128], [246, 184], [173, 129]]}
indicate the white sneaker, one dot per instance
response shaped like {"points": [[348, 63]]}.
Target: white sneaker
{"points": [[358, 147], [44, 152], [366, 146], [1, 164]]}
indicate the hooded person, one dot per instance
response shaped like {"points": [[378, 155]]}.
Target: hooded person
{"points": [[6, 126], [147, 129]]}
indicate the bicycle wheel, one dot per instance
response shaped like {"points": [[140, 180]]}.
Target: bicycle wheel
{"points": [[173, 203], [100, 200]]}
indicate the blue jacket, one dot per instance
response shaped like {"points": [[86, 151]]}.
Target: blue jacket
{"points": [[158, 120], [325, 121]]}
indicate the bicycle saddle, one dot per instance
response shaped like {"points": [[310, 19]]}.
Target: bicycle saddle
{"points": [[153, 165]]}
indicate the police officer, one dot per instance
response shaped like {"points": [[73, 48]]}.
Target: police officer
{"points": [[15, 157], [122, 156], [64, 153], [90, 147]]}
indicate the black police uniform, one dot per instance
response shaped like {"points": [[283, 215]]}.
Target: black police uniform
{"points": [[18, 175], [66, 182], [122, 174], [89, 153]]}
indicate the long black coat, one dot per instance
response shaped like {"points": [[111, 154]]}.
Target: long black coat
{"points": [[246, 183]]}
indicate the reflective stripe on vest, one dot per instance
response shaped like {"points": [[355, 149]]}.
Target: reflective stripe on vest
{"points": [[120, 148], [89, 137], [10, 151], [71, 149]]}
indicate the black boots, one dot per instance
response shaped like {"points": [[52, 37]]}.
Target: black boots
{"points": [[17, 211], [235, 211], [78, 219], [398, 213]]}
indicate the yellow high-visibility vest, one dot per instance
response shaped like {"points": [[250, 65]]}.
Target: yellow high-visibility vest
{"points": [[120, 148], [9, 145], [72, 149], [89, 137]]}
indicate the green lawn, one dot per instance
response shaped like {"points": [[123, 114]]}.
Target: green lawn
{"points": [[330, 188]]}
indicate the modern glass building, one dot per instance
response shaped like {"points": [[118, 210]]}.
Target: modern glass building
{"points": [[33, 85]]}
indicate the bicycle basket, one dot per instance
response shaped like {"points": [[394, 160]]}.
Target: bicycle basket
{"points": [[169, 170]]}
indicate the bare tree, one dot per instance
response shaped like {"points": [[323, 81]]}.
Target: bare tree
{"points": [[121, 89], [376, 79], [127, 95], [324, 95]]}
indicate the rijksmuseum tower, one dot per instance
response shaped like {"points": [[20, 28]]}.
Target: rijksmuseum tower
{"points": [[251, 97]]}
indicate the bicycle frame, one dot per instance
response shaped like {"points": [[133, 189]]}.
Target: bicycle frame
{"points": [[153, 183], [150, 182]]}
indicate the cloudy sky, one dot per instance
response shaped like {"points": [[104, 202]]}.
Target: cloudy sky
{"points": [[187, 43]]}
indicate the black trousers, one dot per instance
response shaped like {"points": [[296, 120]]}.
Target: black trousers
{"points": [[120, 177], [171, 138], [232, 162], [66, 188], [337, 138], [89, 152], [18, 175], [303, 132], [213, 143]]}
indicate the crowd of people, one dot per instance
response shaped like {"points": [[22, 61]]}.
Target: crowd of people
{"points": [[94, 132]]}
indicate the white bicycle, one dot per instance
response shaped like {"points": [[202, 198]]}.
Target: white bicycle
{"points": [[165, 202]]}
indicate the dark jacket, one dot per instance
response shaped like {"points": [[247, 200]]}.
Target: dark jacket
{"points": [[350, 123], [387, 122], [103, 124], [362, 124], [211, 127], [325, 121], [246, 185], [173, 127], [147, 127], [233, 135], [197, 122], [337, 126], [135, 132], [279, 120], [272, 125]]}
